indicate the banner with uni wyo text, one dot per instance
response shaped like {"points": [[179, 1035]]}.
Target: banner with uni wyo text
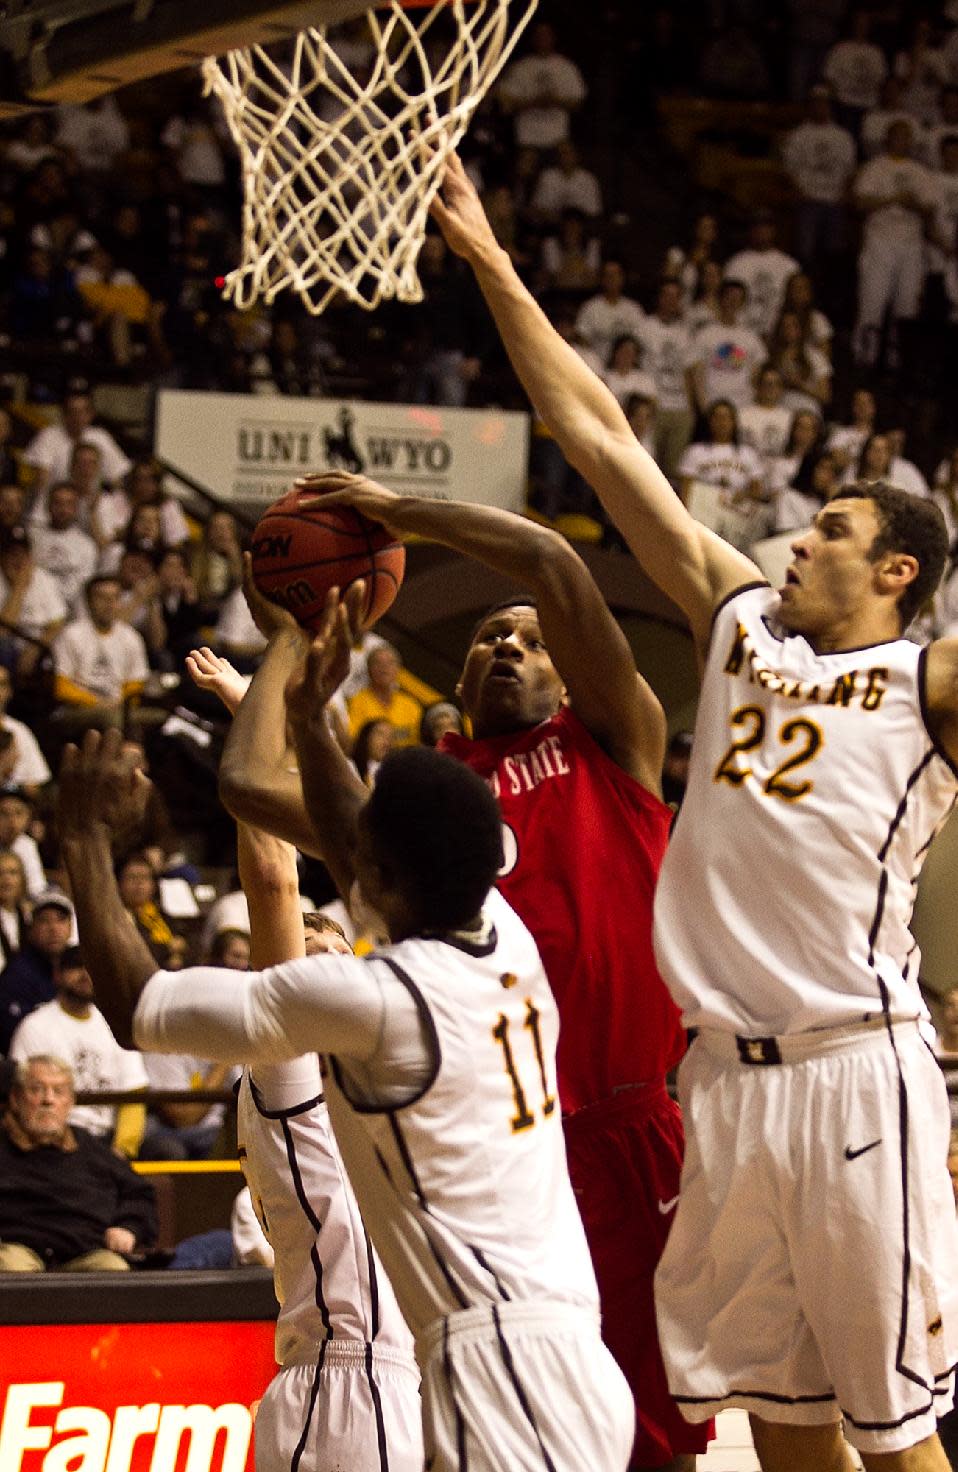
{"points": [[248, 449]]}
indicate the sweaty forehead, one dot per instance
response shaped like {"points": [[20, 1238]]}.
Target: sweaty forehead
{"points": [[504, 620]]}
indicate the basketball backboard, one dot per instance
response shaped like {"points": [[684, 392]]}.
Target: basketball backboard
{"points": [[76, 50]]}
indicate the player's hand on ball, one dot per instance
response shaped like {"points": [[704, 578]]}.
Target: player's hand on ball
{"points": [[269, 617], [212, 672], [100, 785], [365, 496], [312, 686]]}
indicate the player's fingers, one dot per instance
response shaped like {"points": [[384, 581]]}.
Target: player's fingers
{"points": [[355, 607]]}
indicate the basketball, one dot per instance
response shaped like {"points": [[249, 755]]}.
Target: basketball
{"points": [[300, 553]]}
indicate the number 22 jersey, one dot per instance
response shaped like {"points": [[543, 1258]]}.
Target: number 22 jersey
{"points": [[815, 790]]}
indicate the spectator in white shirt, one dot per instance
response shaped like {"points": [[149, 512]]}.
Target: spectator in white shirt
{"points": [[806, 437], [100, 661], [566, 185], [61, 547], [846, 440], [640, 411], [855, 70], [604, 318], [878, 461], [30, 770], [734, 469], [895, 194], [71, 1027], [878, 120], [623, 375], [800, 299], [703, 310], [820, 159], [96, 134], [946, 127], [764, 270], [685, 264], [667, 356], [16, 815], [14, 904], [727, 354], [541, 91], [765, 425], [815, 481], [32, 608], [236, 635], [806, 373], [923, 69], [50, 450], [572, 259], [142, 485]]}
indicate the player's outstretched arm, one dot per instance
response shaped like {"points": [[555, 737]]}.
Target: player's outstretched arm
{"points": [[942, 694], [695, 568], [332, 791], [101, 793], [586, 645], [256, 784]]}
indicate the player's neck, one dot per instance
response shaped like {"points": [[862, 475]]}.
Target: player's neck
{"points": [[878, 626]]}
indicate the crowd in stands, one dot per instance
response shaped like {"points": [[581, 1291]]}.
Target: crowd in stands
{"points": [[768, 343]]}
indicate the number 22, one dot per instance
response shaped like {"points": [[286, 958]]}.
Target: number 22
{"points": [[752, 718]]}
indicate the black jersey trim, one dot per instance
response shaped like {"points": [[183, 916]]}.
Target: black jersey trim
{"points": [[778, 1400], [724, 602], [297, 1456], [926, 713], [432, 1034], [462, 1461], [377, 1410], [314, 1222], [407, 1160], [517, 1386], [290, 1113], [373, 1282], [480, 1257], [891, 1425], [459, 942]]}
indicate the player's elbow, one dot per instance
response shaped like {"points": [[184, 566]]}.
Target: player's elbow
{"points": [[238, 791]]}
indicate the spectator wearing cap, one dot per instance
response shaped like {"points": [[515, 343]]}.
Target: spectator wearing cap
{"points": [[62, 548], [820, 159], [29, 770], [16, 812], [73, 1028], [68, 1203], [100, 661], [764, 270], [29, 978], [50, 450], [32, 607]]}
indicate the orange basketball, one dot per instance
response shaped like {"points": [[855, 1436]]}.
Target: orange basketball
{"points": [[299, 554]]}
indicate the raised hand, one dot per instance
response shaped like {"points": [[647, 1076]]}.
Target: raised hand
{"points": [[100, 787], [313, 684], [212, 672], [365, 496], [268, 617], [458, 212]]}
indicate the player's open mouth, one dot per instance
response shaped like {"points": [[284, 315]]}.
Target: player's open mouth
{"points": [[499, 670], [791, 578]]}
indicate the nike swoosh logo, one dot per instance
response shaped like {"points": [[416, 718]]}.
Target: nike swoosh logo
{"points": [[666, 1206], [851, 1154]]}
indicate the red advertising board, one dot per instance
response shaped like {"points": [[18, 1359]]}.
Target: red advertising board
{"points": [[147, 1397]]}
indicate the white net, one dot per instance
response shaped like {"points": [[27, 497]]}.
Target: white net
{"points": [[343, 141]]}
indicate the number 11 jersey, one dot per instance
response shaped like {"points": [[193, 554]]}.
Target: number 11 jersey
{"points": [[785, 897]]}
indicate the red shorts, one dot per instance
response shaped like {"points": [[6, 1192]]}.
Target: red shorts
{"points": [[625, 1159]]}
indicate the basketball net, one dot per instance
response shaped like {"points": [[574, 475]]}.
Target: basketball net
{"points": [[343, 150]]}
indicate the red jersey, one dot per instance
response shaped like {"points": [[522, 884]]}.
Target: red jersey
{"points": [[584, 842]]}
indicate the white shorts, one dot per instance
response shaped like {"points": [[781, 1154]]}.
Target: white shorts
{"points": [[812, 1269], [346, 1412], [523, 1386]]}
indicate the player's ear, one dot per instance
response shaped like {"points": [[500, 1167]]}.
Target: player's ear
{"points": [[897, 570]]}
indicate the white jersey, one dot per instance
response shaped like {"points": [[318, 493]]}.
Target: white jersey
{"points": [[786, 894], [454, 1140], [328, 1281], [466, 1188]]}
